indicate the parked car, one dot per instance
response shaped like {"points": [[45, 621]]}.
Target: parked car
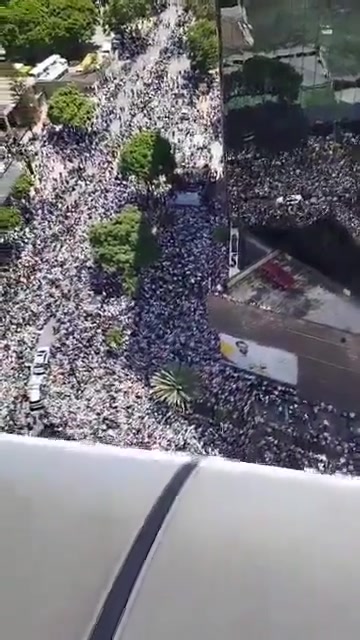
{"points": [[41, 361], [34, 393]]}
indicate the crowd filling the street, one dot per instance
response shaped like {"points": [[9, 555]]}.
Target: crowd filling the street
{"points": [[316, 180], [56, 295]]}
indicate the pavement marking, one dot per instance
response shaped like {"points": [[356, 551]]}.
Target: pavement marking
{"points": [[329, 364], [309, 335]]}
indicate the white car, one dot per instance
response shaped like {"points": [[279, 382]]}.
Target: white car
{"points": [[41, 361], [34, 394], [295, 199]]}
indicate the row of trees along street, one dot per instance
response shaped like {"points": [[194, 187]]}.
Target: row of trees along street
{"points": [[127, 243], [202, 36]]}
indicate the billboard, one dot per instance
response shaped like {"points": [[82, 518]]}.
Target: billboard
{"points": [[253, 357]]}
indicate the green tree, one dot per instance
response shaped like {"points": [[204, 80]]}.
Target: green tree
{"points": [[202, 42], [285, 81], [119, 14], [263, 75], [34, 29], [22, 187], [114, 338], [10, 220], [147, 156], [124, 245], [71, 108], [201, 8], [177, 385], [257, 75]]}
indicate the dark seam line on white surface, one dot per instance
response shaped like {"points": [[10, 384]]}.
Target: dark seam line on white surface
{"points": [[116, 601]]}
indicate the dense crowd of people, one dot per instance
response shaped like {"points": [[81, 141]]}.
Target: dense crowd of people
{"points": [[322, 172], [94, 396]]}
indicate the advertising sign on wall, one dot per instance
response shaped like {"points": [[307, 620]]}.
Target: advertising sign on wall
{"points": [[270, 362]]}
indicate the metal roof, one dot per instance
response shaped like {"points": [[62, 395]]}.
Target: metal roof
{"points": [[100, 542]]}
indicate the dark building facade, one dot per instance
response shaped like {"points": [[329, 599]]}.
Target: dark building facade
{"points": [[290, 70], [318, 40]]}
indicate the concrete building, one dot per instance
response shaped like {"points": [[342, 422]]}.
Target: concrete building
{"points": [[236, 30]]}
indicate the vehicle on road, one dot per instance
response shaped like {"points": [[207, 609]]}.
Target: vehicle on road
{"points": [[41, 361], [35, 394], [293, 199]]}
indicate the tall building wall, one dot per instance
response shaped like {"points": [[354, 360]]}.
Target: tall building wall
{"points": [[289, 69], [318, 39]]}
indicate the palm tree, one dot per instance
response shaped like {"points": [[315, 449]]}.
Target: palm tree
{"points": [[177, 385]]}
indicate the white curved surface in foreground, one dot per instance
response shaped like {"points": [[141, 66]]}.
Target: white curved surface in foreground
{"points": [[247, 552]]}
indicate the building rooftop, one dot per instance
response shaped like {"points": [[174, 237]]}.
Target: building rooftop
{"points": [[309, 296]]}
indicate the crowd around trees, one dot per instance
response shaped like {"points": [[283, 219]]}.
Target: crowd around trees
{"points": [[147, 156], [123, 246], [71, 108], [203, 45], [34, 29]]}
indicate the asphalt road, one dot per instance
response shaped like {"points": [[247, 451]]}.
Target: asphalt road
{"points": [[46, 337], [328, 359]]}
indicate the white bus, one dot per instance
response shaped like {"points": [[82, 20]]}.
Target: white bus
{"points": [[50, 69]]}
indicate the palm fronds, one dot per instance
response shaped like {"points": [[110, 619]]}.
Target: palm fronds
{"points": [[176, 385]]}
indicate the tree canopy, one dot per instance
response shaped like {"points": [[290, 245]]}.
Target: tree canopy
{"points": [[10, 219], [201, 8], [147, 156], [34, 29], [124, 245], [263, 75], [120, 13], [22, 186], [71, 108], [202, 42]]}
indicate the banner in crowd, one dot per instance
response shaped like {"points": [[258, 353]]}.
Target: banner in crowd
{"points": [[270, 362]]}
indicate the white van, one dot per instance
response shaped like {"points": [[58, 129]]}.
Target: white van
{"points": [[34, 394]]}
